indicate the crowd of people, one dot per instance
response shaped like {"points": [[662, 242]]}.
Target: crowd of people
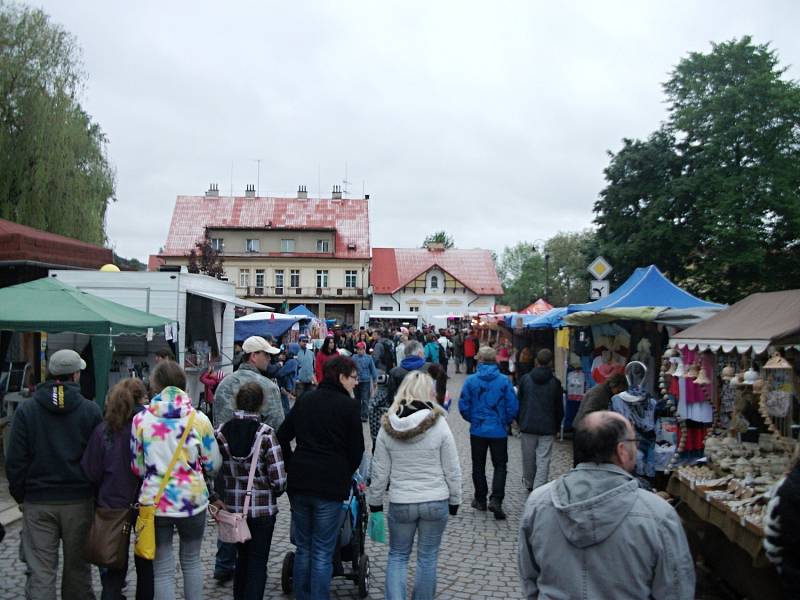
{"points": [[291, 420]]}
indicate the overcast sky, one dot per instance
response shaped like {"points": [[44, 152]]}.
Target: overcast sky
{"points": [[488, 119]]}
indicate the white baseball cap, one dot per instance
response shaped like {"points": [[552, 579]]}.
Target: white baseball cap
{"points": [[256, 343]]}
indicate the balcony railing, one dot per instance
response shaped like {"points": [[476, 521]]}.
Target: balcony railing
{"points": [[300, 292]]}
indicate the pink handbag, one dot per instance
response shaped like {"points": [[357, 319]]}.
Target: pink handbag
{"points": [[231, 526]]}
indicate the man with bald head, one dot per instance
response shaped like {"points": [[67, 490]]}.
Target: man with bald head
{"points": [[593, 533]]}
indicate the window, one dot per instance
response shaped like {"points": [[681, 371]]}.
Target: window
{"points": [[252, 246], [259, 278], [278, 281], [350, 279], [434, 282], [287, 245], [413, 309], [244, 278], [216, 244], [387, 308], [294, 278], [323, 246], [322, 278]]}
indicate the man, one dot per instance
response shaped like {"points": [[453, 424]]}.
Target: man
{"points": [[597, 398], [489, 403], [254, 361], [593, 533], [458, 350], [541, 411], [470, 351], [306, 380], [383, 352], [49, 434], [367, 378], [414, 361], [414, 334], [446, 349]]}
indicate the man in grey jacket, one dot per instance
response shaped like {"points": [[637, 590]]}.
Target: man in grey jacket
{"points": [[572, 526]]}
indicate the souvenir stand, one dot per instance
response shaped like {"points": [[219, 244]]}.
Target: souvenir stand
{"points": [[749, 356]]}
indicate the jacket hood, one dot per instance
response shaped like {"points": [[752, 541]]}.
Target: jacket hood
{"points": [[591, 501], [414, 420], [171, 403], [541, 375], [59, 397], [488, 372], [412, 363]]}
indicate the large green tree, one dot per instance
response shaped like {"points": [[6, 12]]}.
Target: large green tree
{"points": [[713, 196], [521, 270], [54, 171], [568, 256]]}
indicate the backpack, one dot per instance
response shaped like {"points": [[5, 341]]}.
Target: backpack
{"points": [[388, 357]]}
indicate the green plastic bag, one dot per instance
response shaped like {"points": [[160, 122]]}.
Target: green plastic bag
{"points": [[376, 529]]}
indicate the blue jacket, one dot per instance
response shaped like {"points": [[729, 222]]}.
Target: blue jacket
{"points": [[432, 352], [488, 402], [366, 368], [305, 358]]}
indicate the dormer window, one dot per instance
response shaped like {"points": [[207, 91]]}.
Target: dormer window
{"points": [[253, 245], [323, 246], [434, 282], [287, 245]]}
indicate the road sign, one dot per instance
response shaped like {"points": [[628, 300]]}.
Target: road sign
{"points": [[599, 289], [600, 268]]}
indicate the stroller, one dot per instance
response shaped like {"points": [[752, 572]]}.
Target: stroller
{"points": [[350, 545]]}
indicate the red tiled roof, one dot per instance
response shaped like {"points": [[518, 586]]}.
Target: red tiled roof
{"points": [[539, 307], [154, 261], [23, 243], [392, 268], [349, 217]]}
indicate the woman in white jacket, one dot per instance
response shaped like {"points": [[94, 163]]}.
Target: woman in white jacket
{"points": [[415, 452]]}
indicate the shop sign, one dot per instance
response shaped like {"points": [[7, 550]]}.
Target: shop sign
{"points": [[600, 268], [599, 289]]}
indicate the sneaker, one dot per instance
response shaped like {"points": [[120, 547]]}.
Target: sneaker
{"points": [[478, 505], [496, 507], [223, 578]]}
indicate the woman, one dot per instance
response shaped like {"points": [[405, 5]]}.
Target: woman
{"points": [[432, 349], [236, 440], [416, 457], [524, 364], [326, 425], [155, 436], [210, 379], [107, 464], [326, 353], [400, 349]]}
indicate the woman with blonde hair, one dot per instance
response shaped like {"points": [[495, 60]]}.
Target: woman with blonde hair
{"points": [[416, 457]]}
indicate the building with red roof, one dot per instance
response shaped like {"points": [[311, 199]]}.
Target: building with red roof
{"points": [[312, 251], [434, 281]]}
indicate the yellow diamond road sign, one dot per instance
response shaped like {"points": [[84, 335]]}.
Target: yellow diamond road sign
{"points": [[600, 268]]}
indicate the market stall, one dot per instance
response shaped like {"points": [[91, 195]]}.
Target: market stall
{"points": [[747, 358]]}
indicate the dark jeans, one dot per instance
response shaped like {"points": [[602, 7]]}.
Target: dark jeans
{"points": [[499, 449], [470, 365], [225, 562], [315, 525], [113, 580], [363, 393], [251, 560]]}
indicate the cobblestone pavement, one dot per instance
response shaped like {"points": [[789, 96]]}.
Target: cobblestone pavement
{"points": [[477, 559]]}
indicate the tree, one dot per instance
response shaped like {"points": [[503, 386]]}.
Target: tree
{"points": [[521, 270], [439, 237], [712, 196], [205, 259], [54, 171], [569, 255]]}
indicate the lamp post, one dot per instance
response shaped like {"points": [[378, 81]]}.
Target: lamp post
{"points": [[540, 246]]}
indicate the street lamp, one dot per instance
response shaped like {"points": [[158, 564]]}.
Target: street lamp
{"points": [[540, 246]]}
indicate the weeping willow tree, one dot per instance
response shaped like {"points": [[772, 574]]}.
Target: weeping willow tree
{"points": [[54, 171]]}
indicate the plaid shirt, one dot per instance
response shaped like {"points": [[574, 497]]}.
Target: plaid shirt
{"points": [[269, 480]]}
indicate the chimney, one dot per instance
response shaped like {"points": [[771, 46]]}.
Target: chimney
{"points": [[302, 192], [366, 196], [250, 192], [435, 247], [213, 191], [337, 193]]}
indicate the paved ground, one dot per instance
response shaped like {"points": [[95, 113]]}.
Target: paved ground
{"points": [[477, 559]]}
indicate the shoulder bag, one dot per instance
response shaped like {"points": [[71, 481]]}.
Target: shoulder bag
{"points": [[232, 527], [145, 529], [109, 538]]}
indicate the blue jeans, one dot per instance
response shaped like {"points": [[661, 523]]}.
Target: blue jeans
{"points": [[315, 525], [190, 533], [225, 562], [429, 519], [251, 560], [363, 393]]}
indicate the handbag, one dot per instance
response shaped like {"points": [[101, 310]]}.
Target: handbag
{"points": [[232, 527], [109, 538], [145, 528]]}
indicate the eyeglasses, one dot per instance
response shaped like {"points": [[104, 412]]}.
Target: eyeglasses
{"points": [[354, 376], [635, 440]]}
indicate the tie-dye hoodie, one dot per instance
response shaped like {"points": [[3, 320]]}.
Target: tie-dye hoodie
{"points": [[155, 434]]}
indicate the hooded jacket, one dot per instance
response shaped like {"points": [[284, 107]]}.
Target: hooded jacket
{"points": [[541, 407], [225, 396], [49, 434], [415, 454], [488, 402], [155, 435], [396, 375], [573, 525]]}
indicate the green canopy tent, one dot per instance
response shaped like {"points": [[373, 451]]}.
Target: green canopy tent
{"points": [[55, 307]]}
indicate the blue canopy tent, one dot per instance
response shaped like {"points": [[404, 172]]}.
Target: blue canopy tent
{"points": [[648, 296], [302, 311], [264, 324], [553, 319]]}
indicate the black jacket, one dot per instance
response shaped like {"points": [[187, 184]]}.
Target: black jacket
{"points": [[540, 403], [597, 398], [49, 433], [326, 422]]}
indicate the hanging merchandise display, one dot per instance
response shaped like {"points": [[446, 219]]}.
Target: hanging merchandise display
{"points": [[639, 407]]}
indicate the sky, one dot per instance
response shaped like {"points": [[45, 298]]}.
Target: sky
{"points": [[490, 120]]}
